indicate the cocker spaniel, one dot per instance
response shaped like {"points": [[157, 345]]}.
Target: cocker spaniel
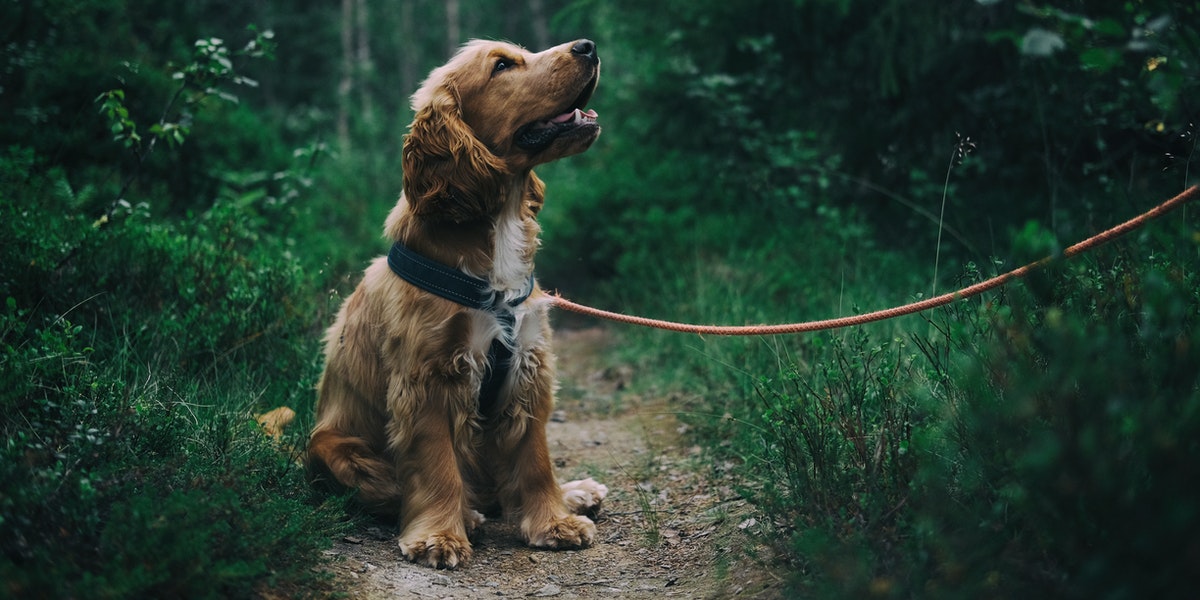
{"points": [[439, 376]]}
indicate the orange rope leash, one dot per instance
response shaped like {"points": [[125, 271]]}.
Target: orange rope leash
{"points": [[890, 313]]}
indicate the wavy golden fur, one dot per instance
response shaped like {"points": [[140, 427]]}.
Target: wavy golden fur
{"points": [[398, 417]]}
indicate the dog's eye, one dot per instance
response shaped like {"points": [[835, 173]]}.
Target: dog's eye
{"points": [[502, 64]]}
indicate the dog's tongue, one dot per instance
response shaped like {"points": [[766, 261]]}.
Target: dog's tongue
{"points": [[574, 115]]}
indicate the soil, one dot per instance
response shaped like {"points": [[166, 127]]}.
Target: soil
{"points": [[671, 526]]}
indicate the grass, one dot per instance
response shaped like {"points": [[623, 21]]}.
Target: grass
{"points": [[122, 480], [135, 354], [996, 447]]}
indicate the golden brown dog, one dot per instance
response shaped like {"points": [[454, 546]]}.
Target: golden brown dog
{"points": [[399, 411]]}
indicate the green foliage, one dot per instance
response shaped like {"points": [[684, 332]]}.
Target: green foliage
{"points": [[1039, 444], [202, 77], [112, 106], [128, 476], [1073, 442], [136, 347], [122, 482], [220, 285], [839, 436], [776, 109]]}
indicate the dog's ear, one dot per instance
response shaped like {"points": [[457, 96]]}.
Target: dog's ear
{"points": [[535, 193], [449, 175]]}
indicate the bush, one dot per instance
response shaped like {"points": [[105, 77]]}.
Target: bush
{"points": [[131, 464], [1065, 469], [142, 330], [136, 349], [841, 431], [1040, 444], [155, 488]]}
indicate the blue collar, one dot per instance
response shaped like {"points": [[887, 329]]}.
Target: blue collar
{"points": [[449, 283], [472, 292]]}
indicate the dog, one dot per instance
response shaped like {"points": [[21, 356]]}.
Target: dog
{"points": [[439, 375]]}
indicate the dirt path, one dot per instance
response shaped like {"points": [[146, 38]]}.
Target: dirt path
{"points": [[667, 529]]}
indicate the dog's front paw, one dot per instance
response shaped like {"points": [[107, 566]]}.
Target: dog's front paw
{"points": [[583, 496], [570, 531], [437, 550]]}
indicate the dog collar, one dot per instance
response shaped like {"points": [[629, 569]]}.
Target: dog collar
{"points": [[450, 283], [472, 292]]}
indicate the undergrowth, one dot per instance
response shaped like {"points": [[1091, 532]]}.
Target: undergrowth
{"points": [[131, 462], [1037, 441], [140, 334], [121, 482]]}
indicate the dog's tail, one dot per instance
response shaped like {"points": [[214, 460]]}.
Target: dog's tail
{"points": [[274, 421], [349, 462]]}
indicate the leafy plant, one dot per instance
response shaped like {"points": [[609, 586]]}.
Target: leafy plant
{"points": [[210, 68], [1067, 453], [117, 488], [134, 357]]}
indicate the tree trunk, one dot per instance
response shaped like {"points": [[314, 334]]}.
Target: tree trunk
{"points": [[364, 69], [409, 49], [346, 84], [541, 29], [453, 27]]}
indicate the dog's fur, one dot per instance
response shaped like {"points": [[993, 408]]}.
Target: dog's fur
{"points": [[398, 417]]}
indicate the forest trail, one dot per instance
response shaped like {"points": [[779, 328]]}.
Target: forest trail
{"points": [[670, 527]]}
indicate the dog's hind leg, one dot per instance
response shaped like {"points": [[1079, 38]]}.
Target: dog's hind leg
{"points": [[349, 462]]}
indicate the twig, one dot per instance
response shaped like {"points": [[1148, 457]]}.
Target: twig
{"points": [[583, 583]]}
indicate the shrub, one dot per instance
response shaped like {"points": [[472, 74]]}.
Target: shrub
{"points": [[840, 430], [1041, 444], [133, 357], [135, 352], [1066, 470]]}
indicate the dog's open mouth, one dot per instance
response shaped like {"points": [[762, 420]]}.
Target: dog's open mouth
{"points": [[575, 117]]}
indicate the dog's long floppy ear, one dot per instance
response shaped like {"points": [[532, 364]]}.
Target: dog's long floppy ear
{"points": [[449, 175], [535, 194]]}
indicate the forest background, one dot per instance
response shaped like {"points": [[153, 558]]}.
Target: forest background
{"points": [[188, 189]]}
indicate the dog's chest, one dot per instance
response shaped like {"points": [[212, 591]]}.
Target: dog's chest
{"points": [[505, 343], [514, 242], [521, 333]]}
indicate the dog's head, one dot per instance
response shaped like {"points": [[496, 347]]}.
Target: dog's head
{"points": [[493, 111]]}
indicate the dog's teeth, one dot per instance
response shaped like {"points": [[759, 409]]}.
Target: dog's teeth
{"points": [[585, 117]]}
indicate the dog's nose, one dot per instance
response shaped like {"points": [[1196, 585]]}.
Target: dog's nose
{"points": [[585, 48]]}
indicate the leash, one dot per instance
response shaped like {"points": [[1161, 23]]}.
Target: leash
{"points": [[890, 313]]}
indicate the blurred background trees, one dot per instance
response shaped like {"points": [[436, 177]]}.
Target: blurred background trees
{"points": [[780, 107]]}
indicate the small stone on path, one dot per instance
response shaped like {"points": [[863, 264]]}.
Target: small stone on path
{"points": [[548, 590]]}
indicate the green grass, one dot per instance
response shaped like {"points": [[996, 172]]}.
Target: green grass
{"points": [[1037, 441], [135, 354], [122, 480]]}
